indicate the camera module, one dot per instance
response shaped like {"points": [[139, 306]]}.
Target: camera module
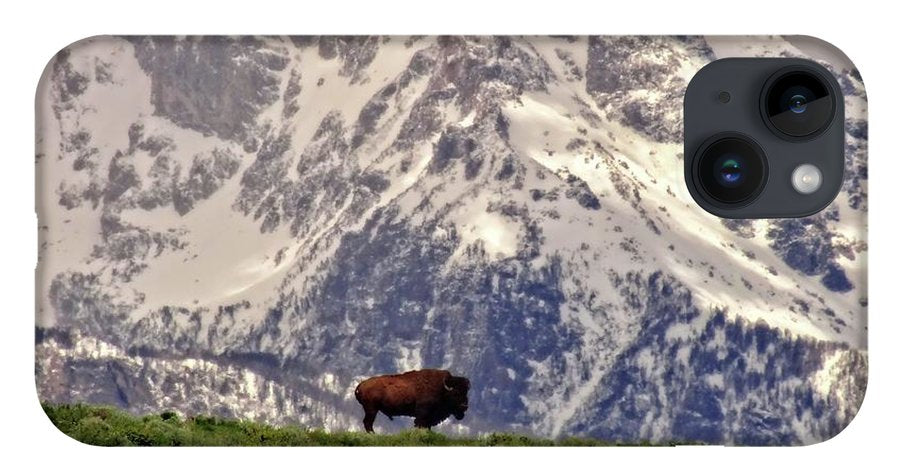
{"points": [[763, 137]]}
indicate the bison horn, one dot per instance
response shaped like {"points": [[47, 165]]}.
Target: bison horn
{"points": [[447, 387]]}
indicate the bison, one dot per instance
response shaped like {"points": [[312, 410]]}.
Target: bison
{"points": [[429, 395]]}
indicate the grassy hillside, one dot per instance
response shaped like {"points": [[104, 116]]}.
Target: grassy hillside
{"points": [[107, 426]]}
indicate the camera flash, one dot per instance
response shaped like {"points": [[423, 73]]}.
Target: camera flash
{"points": [[807, 178]]}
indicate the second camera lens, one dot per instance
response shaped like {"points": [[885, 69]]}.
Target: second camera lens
{"points": [[798, 103], [731, 170]]}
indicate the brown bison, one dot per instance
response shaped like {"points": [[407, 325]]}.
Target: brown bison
{"points": [[429, 395]]}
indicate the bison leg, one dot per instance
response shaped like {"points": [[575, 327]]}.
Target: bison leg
{"points": [[422, 423], [369, 419], [423, 417]]}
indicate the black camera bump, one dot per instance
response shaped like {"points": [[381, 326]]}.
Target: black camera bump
{"points": [[763, 137]]}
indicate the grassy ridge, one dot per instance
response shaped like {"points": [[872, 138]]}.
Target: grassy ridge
{"points": [[107, 426]]}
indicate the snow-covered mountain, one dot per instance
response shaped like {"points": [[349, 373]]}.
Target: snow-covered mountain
{"points": [[248, 226]]}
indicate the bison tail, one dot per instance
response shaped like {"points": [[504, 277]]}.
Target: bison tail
{"points": [[356, 393]]}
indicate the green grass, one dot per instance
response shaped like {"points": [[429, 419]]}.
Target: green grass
{"points": [[107, 426]]}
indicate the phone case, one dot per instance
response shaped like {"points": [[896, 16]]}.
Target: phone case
{"points": [[247, 228]]}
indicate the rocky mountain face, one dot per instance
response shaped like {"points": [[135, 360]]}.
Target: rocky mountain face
{"points": [[249, 226]]}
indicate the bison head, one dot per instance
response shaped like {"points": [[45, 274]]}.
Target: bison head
{"points": [[456, 394]]}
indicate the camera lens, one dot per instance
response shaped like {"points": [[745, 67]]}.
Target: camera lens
{"points": [[798, 103], [731, 170], [728, 170]]}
